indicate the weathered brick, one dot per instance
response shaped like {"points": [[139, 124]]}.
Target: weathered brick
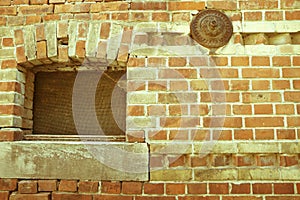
{"points": [[41, 196], [88, 186], [132, 187], [111, 187], [47, 185], [66, 196], [189, 5], [8, 184], [27, 187], [262, 188], [38, 2], [8, 10], [153, 188], [67, 186], [36, 9]]}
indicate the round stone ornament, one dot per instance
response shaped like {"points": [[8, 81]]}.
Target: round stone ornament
{"points": [[211, 28]]}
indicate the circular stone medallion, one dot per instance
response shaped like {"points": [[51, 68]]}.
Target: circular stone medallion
{"points": [[211, 28]]}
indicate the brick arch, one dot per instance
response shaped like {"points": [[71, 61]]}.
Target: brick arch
{"points": [[71, 42]]}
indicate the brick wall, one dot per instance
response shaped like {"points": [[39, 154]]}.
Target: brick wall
{"points": [[220, 125]]}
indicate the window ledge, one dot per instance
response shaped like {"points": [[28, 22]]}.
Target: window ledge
{"points": [[85, 160]]}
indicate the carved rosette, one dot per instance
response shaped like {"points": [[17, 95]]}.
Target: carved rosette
{"points": [[211, 28]]}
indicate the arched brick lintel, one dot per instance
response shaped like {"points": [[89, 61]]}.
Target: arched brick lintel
{"points": [[69, 42]]}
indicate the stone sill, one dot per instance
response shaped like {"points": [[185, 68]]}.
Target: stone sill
{"points": [[114, 161]]}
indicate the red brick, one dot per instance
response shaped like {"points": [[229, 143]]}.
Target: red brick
{"points": [[253, 16], [5, 3], [51, 17], [258, 4], [8, 184], [156, 161], [71, 8], [33, 19], [287, 161], [289, 4], [132, 187], [135, 136], [293, 121], [136, 62], [189, 5], [239, 84], [41, 196], [172, 188], [263, 109], [181, 17], [198, 61], [148, 6], [67, 186], [227, 122], [3, 21], [243, 134], [274, 15], [139, 16], [88, 186], [8, 10], [292, 15], [197, 188], [36, 9], [222, 5], [19, 2], [260, 85], [266, 160], [111, 187], [10, 110], [41, 48], [80, 49], [153, 198], [240, 61], [218, 61], [40, 32], [291, 72], [283, 188], [262, 188], [177, 61], [4, 195], [197, 161], [66, 196], [264, 134], [7, 42], [157, 135], [27, 187], [286, 134], [280, 84], [244, 160], [260, 61], [218, 188], [281, 61], [8, 64], [119, 16], [296, 60], [109, 6], [38, 2], [242, 198], [176, 161], [153, 188], [292, 96], [264, 121], [296, 84], [243, 188], [47, 185], [161, 17], [221, 160], [10, 136], [20, 51]]}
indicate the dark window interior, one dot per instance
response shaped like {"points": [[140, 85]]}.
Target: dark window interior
{"points": [[53, 104]]}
